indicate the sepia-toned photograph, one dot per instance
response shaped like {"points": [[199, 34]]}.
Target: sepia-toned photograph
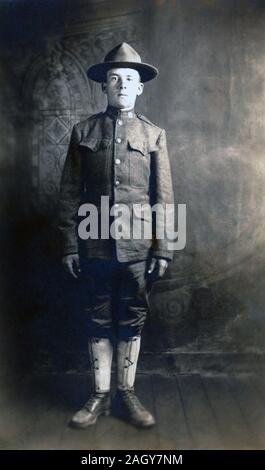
{"points": [[132, 272]]}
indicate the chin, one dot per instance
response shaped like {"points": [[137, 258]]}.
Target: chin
{"points": [[122, 104]]}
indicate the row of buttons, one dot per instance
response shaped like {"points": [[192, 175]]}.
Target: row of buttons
{"points": [[117, 160]]}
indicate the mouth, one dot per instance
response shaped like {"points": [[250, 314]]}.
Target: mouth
{"points": [[122, 94]]}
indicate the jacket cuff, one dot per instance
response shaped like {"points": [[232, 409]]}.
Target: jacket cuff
{"points": [[69, 253], [69, 250], [168, 255]]}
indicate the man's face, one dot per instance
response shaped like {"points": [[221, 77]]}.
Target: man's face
{"points": [[122, 87]]}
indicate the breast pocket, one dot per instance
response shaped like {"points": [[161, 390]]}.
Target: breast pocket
{"points": [[96, 159], [139, 162]]}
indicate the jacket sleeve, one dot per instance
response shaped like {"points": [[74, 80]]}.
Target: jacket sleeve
{"points": [[70, 197], [163, 195]]}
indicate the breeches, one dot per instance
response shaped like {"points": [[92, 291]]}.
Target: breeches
{"points": [[115, 297]]}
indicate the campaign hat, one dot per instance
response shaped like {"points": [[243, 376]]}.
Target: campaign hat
{"points": [[122, 55]]}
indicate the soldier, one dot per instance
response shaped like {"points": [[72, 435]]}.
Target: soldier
{"points": [[120, 154]]}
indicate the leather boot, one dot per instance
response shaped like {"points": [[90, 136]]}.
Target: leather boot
{"points": [[128, 405], [99, 402]]}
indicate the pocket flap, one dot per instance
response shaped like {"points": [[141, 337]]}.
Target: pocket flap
{"points": [[143, 146], [95, 144]]}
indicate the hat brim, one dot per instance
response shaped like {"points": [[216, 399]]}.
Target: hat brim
{"points": [[98, 71]]}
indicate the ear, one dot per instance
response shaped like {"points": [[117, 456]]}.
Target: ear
{"points": [[140, 89], [104, 87]]}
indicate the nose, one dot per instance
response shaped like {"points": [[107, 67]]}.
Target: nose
{"points": [[122, 83]]}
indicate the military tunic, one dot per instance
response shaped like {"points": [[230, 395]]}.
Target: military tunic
{"points": [[122, 155]]}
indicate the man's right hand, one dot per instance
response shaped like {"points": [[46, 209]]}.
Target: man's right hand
{"points": [[71, 265]]}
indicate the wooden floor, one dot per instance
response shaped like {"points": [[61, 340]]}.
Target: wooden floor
{"points": [[192, 412]]}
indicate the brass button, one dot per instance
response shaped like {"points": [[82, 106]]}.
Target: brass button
{"points": [[117, 182], [119, 122], [117, 161], [118, 140]]}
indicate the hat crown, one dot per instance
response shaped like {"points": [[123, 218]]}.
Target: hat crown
{"points": [[123, 53]]}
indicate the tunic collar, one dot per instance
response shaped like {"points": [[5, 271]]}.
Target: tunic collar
{"points": [[116, 113]]}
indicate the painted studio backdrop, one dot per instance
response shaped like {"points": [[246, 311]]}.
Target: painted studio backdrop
{"points": [[207, 313]]}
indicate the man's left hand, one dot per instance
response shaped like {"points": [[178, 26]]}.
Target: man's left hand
{"points": [[158, 264]]}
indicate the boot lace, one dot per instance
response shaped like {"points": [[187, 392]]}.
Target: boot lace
{"points": [[131, 400], [92, 399]]}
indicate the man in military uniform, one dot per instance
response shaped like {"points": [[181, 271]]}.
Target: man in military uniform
{"points": [[122, 155]]}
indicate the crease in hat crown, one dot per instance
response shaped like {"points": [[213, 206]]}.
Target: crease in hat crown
{"points": [[122, 55]]}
